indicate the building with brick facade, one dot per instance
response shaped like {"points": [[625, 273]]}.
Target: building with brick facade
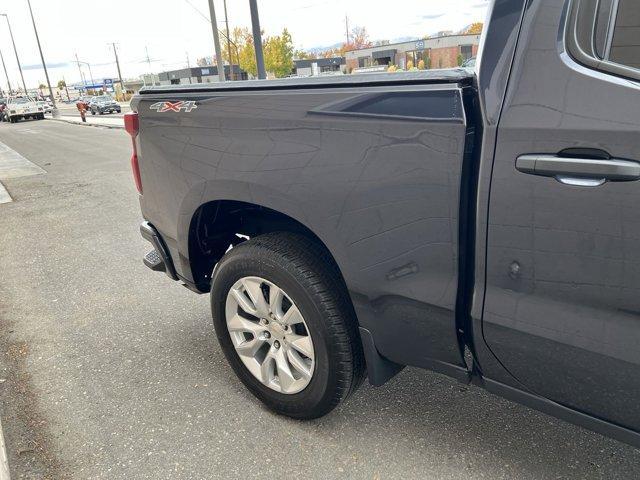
{"points": [[444, 51]]}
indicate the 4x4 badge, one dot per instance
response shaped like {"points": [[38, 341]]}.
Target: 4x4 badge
{"points": [[180, 106]]}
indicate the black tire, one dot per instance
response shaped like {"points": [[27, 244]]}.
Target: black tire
{"points": [[308, 274], [93, 112]]}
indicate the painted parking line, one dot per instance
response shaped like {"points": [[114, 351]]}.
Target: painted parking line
{"points": [[4, 461], [14, 165], [4, 195]]}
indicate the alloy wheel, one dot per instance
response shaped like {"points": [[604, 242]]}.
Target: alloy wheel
{"points": [[270, 335]]}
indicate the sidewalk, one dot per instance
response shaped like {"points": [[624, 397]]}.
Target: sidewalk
{"points": [[92, 121]]}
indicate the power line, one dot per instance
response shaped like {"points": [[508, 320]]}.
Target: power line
{"points": [[198, 11]]}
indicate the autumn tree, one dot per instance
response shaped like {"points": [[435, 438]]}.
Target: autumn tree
{"points": [[359, 39], [475, 28], [238, 38], [247, 55], [304, 55]]}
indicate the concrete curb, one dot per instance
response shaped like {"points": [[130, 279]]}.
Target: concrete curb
{"points": [[86, 124], [4, 461]]}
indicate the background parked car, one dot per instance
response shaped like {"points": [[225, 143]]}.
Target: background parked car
{"points": [[46, 106], [103, 104]]}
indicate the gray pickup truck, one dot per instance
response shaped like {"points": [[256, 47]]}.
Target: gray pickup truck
{"points": [[482, 224]]}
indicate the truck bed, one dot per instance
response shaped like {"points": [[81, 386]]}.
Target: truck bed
{"points": [[372, 164]]}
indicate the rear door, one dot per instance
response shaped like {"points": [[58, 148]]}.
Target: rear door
{"points": [[562, 310]]}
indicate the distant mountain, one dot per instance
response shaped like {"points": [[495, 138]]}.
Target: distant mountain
{"points": [[404, 39], [318, 50], [324, 48]]}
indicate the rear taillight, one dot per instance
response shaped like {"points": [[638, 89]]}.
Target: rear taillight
{"points": [[131, 125]]}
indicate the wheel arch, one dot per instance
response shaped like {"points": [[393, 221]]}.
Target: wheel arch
{"points": [[217, 225]]}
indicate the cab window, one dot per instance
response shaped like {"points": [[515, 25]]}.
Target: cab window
{"points": [[605, 35]]}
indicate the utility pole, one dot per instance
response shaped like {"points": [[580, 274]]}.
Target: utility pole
{"points": [[5, 73], [216, 41], [66, 89], [346, 25], [188, 62], [226, 21], [115, 52], [16, 52], [54, 109], [257, 39], [146, 50]]}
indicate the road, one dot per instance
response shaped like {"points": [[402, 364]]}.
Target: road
{"points": [[111, 371]]}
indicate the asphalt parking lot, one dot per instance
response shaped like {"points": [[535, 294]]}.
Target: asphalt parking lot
{"points": [[111, 371]]}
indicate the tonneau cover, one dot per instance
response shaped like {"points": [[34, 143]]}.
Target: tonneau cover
{"points": [[453, 75]]}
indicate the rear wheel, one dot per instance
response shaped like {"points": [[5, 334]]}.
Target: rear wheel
{"points": [[286, 325]]}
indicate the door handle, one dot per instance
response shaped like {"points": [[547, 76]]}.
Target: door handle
{"points": [[579, 171]]}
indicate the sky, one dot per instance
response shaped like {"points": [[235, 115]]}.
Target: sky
{"points": [[176, 31]]}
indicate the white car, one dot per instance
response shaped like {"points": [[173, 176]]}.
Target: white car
{"points": [[46, 106], [23, 107]]}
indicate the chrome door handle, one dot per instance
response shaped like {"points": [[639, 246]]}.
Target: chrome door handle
{"points": [[579, 171]]}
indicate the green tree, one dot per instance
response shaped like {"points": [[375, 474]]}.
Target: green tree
{"points": [[278, 54], [61, 84], [42, 86]]}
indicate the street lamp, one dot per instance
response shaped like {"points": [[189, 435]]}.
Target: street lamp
{"points": [[16, 52], [54, 109], [235, 45], [90, 74], [6, 74]]}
